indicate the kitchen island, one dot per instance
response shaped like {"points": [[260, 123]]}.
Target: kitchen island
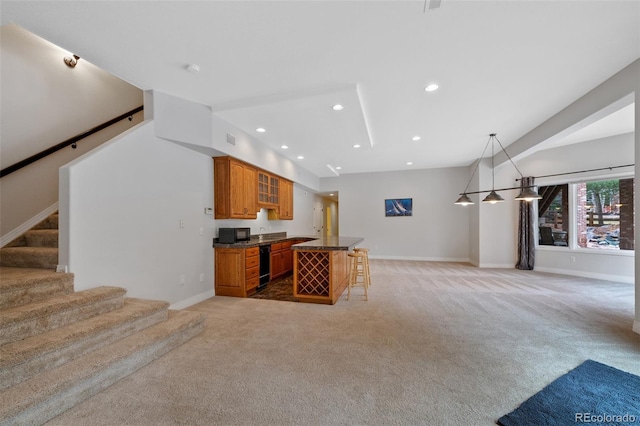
{"points": [[321, 268]]}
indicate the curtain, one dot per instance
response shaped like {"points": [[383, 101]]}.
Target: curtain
{"points": [[526, 242]]}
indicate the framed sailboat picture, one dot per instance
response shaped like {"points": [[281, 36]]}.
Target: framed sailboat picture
{"points": [[398, 207]]}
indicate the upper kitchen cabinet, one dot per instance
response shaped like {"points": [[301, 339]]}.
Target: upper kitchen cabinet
{"points": [[284, 209], [286, 199], [235, 192], [268, 190]]}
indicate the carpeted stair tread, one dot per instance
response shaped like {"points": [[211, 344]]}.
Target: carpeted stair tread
{"points": [[19, 286], [42, 237], [50, 222], [29, 257], [54, 391], [20, 322], [25, 358]]}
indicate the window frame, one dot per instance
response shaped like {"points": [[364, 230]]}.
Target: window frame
{"points": [[573, 226]]}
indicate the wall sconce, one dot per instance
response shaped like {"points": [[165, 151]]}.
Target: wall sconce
{"points": [[527, 193], [71, 61]]}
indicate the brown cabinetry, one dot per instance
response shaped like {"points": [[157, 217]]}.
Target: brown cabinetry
{"points": [[241, 190], [281, 259], [268, 190], [277, 261], [286, 200], [287, 256], [237, 271], [234, 189], [284, 210]]}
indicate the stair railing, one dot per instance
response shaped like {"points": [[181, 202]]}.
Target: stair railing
{"points": [[71, 141]]}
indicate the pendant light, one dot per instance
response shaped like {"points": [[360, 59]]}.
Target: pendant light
{"points": [[527, 193], [493, 196]]}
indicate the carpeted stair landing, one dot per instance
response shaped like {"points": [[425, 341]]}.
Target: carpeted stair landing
{"points": [[59, 347]]}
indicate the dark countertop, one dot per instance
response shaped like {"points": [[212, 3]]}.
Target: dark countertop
{"points": [[329, 243], [266, 240]]}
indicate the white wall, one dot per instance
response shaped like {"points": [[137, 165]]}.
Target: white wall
{"points": [[636, 324], [438, 229], [124, 202], [43, 103]]}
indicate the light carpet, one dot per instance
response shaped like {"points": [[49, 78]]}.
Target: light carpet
{"points": [[436, 344]]}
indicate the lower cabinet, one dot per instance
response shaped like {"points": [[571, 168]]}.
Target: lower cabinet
{"points": [[277, 261], [237, 271], [281, 259]]}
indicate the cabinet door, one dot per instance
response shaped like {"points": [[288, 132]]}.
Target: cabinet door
{"points": [[250, 192], [286, 199], [274, 191], [242, 191], [230, 270], [263, 188], [276, 264], [237, 190]]}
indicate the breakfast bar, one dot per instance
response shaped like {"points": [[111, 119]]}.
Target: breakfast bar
{"points": [[321, 268]]}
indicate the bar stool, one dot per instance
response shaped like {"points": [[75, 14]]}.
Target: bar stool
{"points": [[358, 269], [365, 260]]}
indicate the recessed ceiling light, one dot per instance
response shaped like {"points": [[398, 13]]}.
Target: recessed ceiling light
{"points": [[284, 147], [300, 157], [416, 138], [338, 168], [356, 146], [409, 163], [431, 87], [337, 107], [260, 130]]}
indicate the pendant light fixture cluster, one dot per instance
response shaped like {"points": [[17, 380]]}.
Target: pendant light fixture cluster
{"points": [[527, 193]]}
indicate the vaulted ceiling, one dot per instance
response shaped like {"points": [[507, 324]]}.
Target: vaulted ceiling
{"points": [[501, 66]]}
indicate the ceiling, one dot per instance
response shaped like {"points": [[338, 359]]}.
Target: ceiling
{"points": [[501, 66]]}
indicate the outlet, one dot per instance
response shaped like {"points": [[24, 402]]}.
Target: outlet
{"points": [[202, 277], [182, 280], [573, 259], [201, 231], [208, 210], [181, 223]]}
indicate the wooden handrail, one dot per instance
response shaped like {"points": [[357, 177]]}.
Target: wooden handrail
{"points": [[71, 141]]}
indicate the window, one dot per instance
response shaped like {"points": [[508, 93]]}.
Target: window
{"points": [[605, 213], [553, 217]]}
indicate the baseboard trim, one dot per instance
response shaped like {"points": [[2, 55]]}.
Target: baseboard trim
{"points": [[425, 259], [15, 233], [636, 326], [192, 300], [497, 265], [584, 274]]}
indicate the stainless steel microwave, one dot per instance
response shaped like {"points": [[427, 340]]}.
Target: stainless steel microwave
{"points": [[233, 235]]}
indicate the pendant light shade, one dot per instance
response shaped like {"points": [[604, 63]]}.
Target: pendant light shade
{"points": [[464, 200], [528, 194], [493, 198]]}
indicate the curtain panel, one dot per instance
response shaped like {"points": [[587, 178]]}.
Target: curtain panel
{"points": [[526, 231]]}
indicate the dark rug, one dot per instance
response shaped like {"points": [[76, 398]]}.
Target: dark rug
{"points": [[591, 393], [277, 290]]}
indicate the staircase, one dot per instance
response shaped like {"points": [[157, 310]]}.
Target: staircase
{"points": [[59, 347]]}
